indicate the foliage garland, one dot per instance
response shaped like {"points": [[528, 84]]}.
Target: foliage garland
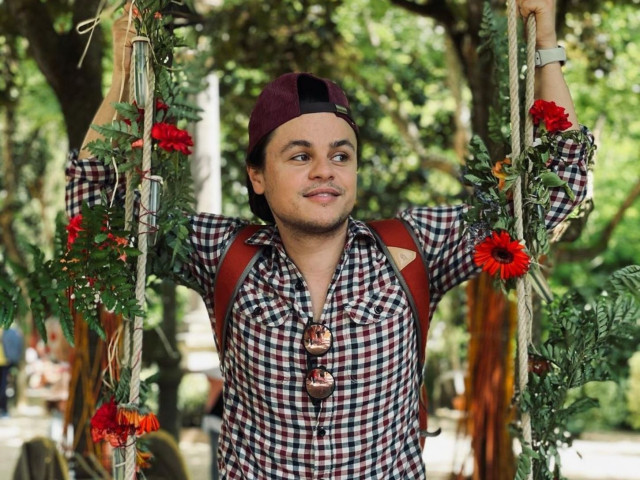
{"points": [[582, 334], [93, 262]]}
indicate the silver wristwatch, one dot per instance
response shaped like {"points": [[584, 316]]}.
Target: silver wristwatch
{"points": [[550, 55]]}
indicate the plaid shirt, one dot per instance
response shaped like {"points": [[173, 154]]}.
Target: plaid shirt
{"points": [[368, 428]]}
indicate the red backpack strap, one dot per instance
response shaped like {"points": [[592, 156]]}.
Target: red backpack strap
{"points": [[398, 242], [235, 263]]}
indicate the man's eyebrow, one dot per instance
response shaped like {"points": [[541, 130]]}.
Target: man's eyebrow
{"points": [[342, 143], [307, 144], [295, 143]]}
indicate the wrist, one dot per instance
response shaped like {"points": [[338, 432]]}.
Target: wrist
{"points": [[545, 43], [545, 56]]}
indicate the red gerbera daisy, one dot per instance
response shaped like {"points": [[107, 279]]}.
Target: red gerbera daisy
{"points": [[500, 253], [171, 138]]}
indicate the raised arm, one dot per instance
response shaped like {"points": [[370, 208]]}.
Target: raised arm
{"points": [[550, 82], [122, 33]]}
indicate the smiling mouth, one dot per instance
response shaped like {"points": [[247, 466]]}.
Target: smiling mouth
{"points": [[322, 193]]}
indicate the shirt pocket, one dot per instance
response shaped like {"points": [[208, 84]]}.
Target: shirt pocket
{"points": [[266, 338], [375, 337], [377, 305]]}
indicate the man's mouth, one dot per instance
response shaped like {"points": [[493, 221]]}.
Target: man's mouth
{"points": [[323, 192]]}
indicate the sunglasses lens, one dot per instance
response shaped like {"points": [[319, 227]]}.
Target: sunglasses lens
{"points": [[319, 383], [317, 339]]}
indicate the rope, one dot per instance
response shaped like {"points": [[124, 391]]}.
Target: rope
{"points": [[523, 289], [135, 360]]}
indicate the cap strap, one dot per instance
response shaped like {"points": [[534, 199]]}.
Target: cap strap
{"points": [[318, 107]]}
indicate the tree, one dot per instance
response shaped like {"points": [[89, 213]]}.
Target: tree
{"points": [[57, 48]]}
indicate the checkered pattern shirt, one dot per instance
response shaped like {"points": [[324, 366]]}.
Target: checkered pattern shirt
{"points": [[368, 428]]}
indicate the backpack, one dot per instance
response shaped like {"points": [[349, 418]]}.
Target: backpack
{"points": [[394, 237], [13, 345]]}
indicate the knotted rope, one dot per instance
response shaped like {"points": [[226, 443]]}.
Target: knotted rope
{"points": [[144, 80], [523, 286]]}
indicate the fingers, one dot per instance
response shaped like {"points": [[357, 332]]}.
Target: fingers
{"points": [[123, 28], [123, 31], [545, 16], [539, 8]]}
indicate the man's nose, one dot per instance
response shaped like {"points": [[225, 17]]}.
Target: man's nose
{"points": [[322, 168]]}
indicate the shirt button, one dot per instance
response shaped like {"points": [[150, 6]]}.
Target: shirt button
{"points": [[321, 432], [299, 286], [257, 311], [378, 309]]}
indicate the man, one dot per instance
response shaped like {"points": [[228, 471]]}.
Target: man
{"points": [[349, 410]]}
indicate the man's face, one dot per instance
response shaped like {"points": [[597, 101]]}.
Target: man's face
{"points": [[310, 174]]}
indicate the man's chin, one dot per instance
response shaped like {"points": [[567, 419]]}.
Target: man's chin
{"points": [[316, 226]]}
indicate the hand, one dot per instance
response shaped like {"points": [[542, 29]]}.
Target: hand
{"points": [[122, 32], [545, 15]]}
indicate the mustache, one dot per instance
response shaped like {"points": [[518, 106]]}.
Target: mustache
{"points": [[320, 186]]}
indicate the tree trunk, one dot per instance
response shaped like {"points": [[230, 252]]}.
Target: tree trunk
{"points": [[168, 361], [79, 90], [489, 389]]}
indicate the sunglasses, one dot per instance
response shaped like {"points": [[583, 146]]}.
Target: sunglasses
{"points": [[319, 381]]}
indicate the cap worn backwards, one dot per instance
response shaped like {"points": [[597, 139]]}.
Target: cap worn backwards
{"points": [[292, 95]]}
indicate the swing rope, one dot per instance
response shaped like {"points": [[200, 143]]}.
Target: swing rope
{"points": [[134, 352], [523, 286]]}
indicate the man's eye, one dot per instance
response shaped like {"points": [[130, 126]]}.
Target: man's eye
{"points": [[341, 157], [301, 157]]}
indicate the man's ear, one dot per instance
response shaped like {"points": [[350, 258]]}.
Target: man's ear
{"points": [[257, 179]]}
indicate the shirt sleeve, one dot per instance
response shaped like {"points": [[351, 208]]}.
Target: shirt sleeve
{"points": [[87, 181], [448, 253], [570, 164]]}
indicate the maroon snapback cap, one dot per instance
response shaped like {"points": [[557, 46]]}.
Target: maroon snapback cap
{"points": [[292, 95]]}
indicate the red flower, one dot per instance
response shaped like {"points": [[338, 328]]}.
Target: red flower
{"points": [[538, 365], [73, 228], [171, 138], [500, 253], [105, 425], [553, 116], [161, 106]]}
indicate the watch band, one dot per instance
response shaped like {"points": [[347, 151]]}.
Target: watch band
{"points": [[550, 55]]}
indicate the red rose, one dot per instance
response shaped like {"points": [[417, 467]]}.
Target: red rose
{"points": [[105, 426], [553, 116], [171, 138]]}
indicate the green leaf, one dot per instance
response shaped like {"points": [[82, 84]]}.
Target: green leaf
{"points": [[551, 179], [100, 237]]}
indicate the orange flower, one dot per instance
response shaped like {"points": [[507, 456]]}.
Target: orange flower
{"points": [[128, 416], [499, 253], [148, 423], [143, 459], [138, 143], [499, 173]]}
